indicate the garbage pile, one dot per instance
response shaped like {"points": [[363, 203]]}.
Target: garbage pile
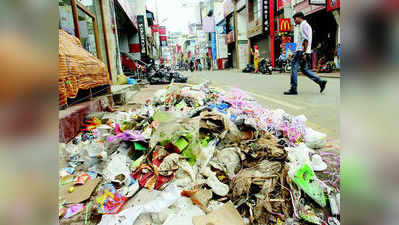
{"points": [[197, 155]]}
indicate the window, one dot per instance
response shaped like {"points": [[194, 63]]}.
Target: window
{"points": [[84, 19], [89, 4], [66, 22], [87, 33], [256, 8], [94, 6]]}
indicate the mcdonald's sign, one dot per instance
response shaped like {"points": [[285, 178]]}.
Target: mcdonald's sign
{"points": [[285, 25]]}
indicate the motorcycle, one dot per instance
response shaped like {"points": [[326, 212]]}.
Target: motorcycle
{"points": [[265, 66], [249, 69], [284, 65], [329, 67]]}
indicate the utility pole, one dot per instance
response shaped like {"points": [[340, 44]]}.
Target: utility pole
{"points": [[236, 34], [159, 24]]}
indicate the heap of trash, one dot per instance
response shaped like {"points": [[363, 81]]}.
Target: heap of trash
{"points": [[198, 155]]}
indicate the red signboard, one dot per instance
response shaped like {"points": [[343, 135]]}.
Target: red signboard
{"points": [[155, 28], [163, 38], [284, 25], [333, 4], [280, 4], [162, 30]]}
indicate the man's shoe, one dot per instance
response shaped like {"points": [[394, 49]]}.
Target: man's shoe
{"points": [[291, 92], [322, 85]]}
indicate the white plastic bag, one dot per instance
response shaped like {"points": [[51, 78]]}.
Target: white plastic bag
{"points": [[315, 139], [128, 216], [206, 154]]}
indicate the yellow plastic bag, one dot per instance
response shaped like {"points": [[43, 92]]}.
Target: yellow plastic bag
{"points": [[122, 79]]}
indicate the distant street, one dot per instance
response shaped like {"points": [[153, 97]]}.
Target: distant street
{"points": [[322, 110]]}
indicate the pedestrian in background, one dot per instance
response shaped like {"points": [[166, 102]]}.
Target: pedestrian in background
{"points": [[256, 55], [300, 58]]}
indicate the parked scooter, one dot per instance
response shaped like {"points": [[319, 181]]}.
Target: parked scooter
{"points": [[327, 67], [249, 69], [265, 66], [283, 66]]}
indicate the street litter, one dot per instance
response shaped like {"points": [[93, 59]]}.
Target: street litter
{"points": [[201, 156]]}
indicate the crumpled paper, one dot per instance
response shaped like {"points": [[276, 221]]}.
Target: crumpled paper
{"points": [[118, 165]]}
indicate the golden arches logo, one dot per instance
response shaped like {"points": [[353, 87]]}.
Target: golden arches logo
{"points": [[285, 25]]}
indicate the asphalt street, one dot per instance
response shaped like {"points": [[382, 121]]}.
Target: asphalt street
{"points": [[322, 110]]}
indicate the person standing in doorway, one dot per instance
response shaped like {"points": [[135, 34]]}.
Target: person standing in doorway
{"points": [[300, 58], [256, 55]]}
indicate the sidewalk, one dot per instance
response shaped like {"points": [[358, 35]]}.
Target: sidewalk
{"points": [[327, 75]]}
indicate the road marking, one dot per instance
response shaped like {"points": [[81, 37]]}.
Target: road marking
{"points": [[283, 103], [289, 105]]}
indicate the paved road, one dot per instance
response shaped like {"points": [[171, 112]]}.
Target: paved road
{"points": [[322, 110]]}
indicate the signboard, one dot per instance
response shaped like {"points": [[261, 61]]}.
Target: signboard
{"points": [[280, 4], [162, 30], [284, 25], [162, 36], [142, 35], [129, 12], [333, 4], [208, 24], [307, 9], [228, 7], [213, 36], [155, 28], [265, 15], [221, 27], [290, 49], [317, 2]]}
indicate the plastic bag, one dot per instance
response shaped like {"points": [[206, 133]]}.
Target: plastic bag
{"points": [[315, 139], [128, 216], [206, 153], [122, 79], [118, 165]]}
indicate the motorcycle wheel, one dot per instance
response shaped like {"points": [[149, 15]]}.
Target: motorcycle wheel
{"points": [[262, 70], [287, 68]]}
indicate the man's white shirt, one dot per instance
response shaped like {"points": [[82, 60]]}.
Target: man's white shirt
{"points": [[305, 33]]}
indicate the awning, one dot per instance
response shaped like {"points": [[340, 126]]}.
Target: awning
{"points": [[129, 11]]}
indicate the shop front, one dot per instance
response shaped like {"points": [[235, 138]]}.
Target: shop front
{"points": [[322, 16], [85, 20], [127, 35], [258, 27]]}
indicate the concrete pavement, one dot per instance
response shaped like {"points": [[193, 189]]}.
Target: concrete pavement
{"points": [[322, 110]]}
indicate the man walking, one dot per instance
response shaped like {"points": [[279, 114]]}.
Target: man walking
{"points": [[300, 59]]}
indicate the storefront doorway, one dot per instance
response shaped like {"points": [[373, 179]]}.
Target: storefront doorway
{"points": [[324, 28]]}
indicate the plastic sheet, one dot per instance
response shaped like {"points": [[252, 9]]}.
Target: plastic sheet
{"points": [[132, 135], [315, 139], [128, 216], [117, 169]]}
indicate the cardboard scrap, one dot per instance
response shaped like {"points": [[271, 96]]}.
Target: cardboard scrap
{"points": [[226, 214], [80, 193]]}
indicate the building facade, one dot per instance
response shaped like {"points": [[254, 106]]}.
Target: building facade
{"points": [[115, 31]]}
